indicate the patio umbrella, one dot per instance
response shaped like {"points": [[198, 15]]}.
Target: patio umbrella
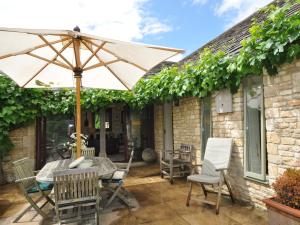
{"points": [[36, 58]]}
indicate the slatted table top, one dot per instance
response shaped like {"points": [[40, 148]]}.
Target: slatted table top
{"points": [[105, 165]]}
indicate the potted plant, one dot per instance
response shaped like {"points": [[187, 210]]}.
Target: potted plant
{"points": [[284, 208]]}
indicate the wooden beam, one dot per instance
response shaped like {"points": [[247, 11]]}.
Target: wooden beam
{"points": [[91, 50], [54, 49], [116, 76], [53, 59], [49, 61], [167, 49], [93, 54], [32, 49], [118, 57], [109, 69], [100, 64], [124, 60], [76, 45]]}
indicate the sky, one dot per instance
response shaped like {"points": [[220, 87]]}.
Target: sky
{"points": [[185, 24]]}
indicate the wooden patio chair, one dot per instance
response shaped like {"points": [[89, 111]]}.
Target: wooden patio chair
{"points": [[215, 164], [76, 191], [115, 184], [26, 180], [177, 163], [88, 152]]}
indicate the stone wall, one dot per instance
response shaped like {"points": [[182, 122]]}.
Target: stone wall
{"points": [[158, 129], [282, 114], [24, 146], [186, 123]]}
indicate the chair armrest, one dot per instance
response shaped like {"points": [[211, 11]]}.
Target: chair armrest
{"points": [[125, 170], [194, 166], [197, 164], [25, 179]]}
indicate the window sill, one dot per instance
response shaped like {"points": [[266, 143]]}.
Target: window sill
{"points": [[265, 182]]}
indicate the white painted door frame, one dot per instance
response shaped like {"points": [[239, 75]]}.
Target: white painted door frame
{"points": [[168, 127]]}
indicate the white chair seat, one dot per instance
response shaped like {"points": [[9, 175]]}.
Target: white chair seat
{"points": [[118, 175], [202, 178]]}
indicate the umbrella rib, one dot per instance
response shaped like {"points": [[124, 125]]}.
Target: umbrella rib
{"points": [[118, 57], [101, 64], [49, 61], [118, 78], [93, 54], [167, 49], [32, 49], [54, 49], [54, 58], [109, 69], [126, 61], [91, 50]]}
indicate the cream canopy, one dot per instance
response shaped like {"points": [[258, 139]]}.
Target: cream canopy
{"points": [[63, 58]]}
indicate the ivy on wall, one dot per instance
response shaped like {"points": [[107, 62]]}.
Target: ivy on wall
{"points": [[272, 42]]}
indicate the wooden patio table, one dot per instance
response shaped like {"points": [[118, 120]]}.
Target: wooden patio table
{"points": [[105, 168]]}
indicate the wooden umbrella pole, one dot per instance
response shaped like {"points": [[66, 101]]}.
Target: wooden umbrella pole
{"points": [[78, 116], [77, 74]]}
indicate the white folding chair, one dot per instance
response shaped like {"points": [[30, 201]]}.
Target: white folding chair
{"points": [[216, 162]]}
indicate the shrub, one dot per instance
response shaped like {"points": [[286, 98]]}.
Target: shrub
{"points": [[287, 188]]}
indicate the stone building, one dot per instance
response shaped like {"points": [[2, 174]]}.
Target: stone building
{"points": [[263, 118]]}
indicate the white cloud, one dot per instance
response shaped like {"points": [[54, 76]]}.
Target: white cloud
{"points": [[199, 2], [125, 19], [237, 10], [153, 26]]}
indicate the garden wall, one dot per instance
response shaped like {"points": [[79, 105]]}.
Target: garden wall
{"points": [[282, 114], [24, 146]]}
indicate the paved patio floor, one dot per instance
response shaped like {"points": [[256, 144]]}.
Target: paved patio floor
{"points": [[159, 203]]}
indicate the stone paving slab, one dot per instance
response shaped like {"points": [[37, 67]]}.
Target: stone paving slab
{"points": [[158, 203]]}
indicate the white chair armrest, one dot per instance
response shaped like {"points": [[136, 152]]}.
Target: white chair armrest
{"points": [[25, 179]]}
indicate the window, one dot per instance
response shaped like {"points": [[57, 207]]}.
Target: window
{"points": [[254, 149]]}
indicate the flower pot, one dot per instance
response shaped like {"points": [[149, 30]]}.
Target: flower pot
{"points": [[280, 214]]}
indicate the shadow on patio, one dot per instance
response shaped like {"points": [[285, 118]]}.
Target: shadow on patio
{"points": [[158, 203]]}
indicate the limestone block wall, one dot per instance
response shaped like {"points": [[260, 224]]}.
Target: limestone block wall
{"points": [[186, 123], [282, 120], [24, 146], [282, 112]]}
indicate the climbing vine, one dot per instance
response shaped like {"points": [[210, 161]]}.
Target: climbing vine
{"points": [[271, 43]]}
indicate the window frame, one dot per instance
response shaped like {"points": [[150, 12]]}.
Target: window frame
{"points": [[207, 98], [263, 175]]}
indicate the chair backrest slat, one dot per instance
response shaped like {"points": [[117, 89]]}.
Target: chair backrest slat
{"points": [[88, 152], [217, 155], [185, 152], [75, 184], [24, 169]]}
